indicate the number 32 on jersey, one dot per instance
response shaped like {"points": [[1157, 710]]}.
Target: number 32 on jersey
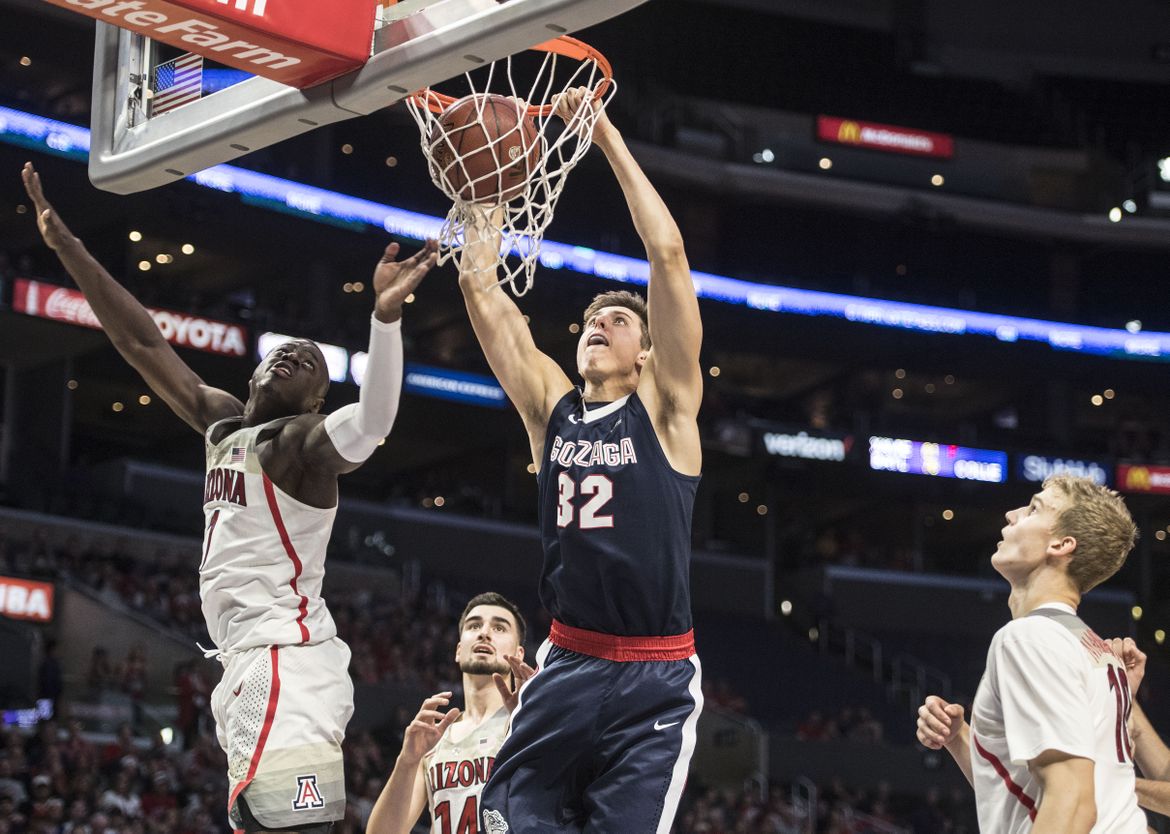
{"points": [[589, 516]]}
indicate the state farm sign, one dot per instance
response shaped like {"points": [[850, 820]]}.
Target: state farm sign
{"points": [[46, 301], [297, 42], [21, 599], [889, 138]]}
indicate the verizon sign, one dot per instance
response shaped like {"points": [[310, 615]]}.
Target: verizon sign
{"points": [[295, 42], [21, 599], [888, 138], [46, 301]]}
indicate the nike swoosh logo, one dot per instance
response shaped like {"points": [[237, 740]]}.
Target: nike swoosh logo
{"points": [[238, 688], [573, 418], [658, 726]]}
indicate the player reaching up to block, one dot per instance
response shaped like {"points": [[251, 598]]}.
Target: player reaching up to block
{"points": [[270, 499], [1048, 750], [604, 732], [446, 758]]}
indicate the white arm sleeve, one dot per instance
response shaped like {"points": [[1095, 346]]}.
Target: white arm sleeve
{"points": [[356, 429]]}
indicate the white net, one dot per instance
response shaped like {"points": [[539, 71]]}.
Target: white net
{"points": [[501, 154]]}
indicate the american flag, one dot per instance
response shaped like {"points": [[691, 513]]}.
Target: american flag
{"points": [[238, 453], [177, 82]]}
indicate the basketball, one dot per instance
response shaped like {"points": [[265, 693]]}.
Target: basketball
{"points": [[485, 148]]}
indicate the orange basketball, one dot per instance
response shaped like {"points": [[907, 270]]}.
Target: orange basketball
{"points": [[485, 148]]}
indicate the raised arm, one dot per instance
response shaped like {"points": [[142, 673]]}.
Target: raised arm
{"points": [[672, 382], [342, 441], [531, 379], [405, 796], [129, 325]]}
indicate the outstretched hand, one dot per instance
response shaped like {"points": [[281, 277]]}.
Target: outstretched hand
{"points": [[428, 726], [582, 112], [395, 280], [939, 722], [53, 229], [522, 672]]}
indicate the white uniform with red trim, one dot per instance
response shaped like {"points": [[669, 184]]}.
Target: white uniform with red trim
{"points": [[456, 772], [1045, 689], [286, 696]]}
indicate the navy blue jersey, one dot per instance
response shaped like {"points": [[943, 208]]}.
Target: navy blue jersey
{"points": [[615, 522]]}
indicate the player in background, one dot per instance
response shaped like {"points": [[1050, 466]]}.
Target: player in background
{"points": [[270, 499], [604, 732], [447, 757], [1048, 750], [1150, 752]]}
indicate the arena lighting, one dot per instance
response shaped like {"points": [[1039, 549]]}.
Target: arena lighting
{"points": [[48, 135]]}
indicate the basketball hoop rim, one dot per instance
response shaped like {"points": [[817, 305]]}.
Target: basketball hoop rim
{"points": [[565, 45]]}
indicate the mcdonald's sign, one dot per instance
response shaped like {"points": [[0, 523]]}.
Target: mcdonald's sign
{"points": [[1154, 479], [888, 138]]}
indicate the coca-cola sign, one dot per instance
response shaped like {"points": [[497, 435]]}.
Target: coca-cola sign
{"points": [[46, 301]]}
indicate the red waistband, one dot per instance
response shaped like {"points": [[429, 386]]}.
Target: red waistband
{"points": [[622, 649]]}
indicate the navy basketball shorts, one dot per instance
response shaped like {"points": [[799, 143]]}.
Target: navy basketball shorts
{"points": [[602, 738]]}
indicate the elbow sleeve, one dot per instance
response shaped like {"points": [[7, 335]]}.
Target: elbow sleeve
{"points": [[357, 429]]}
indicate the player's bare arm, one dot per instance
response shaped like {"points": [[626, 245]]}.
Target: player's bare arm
{"points": [[128, 324], [941, 726], [1068, 805], [531, 379], [671, 384], [403, 799]]}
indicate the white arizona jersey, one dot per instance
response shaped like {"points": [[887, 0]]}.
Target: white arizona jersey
{"points": [[456, 772], [1051, 684], [263, 552]]}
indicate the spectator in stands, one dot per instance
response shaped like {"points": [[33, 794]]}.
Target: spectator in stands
{"points": [[100, 676]]}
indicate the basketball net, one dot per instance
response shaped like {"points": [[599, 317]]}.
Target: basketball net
{"points": [[524, 217]]}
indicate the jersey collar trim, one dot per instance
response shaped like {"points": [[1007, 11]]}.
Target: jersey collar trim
{"points": [[1059, 606], [592, 415]]}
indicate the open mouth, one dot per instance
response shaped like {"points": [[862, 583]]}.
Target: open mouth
{"points": [[283, 369], [597, 339], [482, 649]]}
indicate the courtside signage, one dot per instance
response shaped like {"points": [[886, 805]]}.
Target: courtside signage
{"points": [[807, 446], [888, 138], [940, 460], [1038, 468], [21, 599], [295, 42], [46, 301], [1143, 478]]}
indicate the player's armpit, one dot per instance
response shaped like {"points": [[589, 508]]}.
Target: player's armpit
{"points": [[1068, 805]]}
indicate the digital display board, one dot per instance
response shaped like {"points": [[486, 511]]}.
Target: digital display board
{"points": [[1037, 468], [940, 460]]}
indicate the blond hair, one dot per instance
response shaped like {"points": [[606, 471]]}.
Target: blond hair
{"points": [[1101, 524], [621, 298]]}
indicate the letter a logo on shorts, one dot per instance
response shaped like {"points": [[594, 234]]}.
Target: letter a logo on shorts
{"points": [[493, 821], [308, 794]]}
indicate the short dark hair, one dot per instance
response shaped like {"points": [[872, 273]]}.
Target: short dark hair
{"points": [[492, 598], [622, 298]]}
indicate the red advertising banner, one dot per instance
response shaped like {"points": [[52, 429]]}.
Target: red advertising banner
{"points": [[295, 42], [21, 599], [888, 138], [1143, 478], [47, 301]]}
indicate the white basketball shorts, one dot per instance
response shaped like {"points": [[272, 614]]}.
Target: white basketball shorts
{"points": [[280, 715]]}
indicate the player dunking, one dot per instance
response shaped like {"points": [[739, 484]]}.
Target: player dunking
{"points": [[604, 732], [1048, 750], [447, 757], [270, 499]]}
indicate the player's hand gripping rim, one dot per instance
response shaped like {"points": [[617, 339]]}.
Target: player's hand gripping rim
{"points": [[521, 674], [428, 726], [939, 722]]}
